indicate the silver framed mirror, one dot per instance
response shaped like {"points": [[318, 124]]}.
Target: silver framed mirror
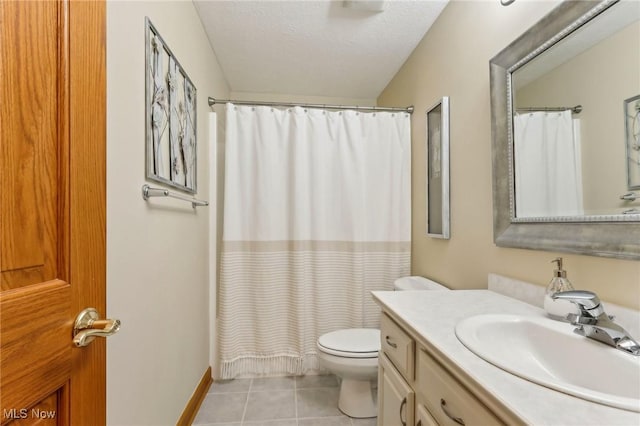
{"points": [[611, 231]]}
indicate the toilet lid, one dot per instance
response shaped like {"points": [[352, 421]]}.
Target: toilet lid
{"points": [[351, 343]]}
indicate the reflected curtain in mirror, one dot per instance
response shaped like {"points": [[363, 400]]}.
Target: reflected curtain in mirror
{"points": [[548, 169]]}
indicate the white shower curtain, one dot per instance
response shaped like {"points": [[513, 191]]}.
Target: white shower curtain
{"points": [[548, 169], [316, 215]]}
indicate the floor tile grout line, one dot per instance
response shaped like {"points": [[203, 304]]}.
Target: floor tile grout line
{"points": [[284, 390], [295, 399], [246, 403], [332, 416], [342, 416]]}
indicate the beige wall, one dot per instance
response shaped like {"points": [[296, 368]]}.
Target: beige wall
{"points": [[282, 97], [157, 252], [599, 79], [453, 60]]}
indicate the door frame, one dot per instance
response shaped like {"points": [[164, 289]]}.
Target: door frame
{"points": [[87, 118]]}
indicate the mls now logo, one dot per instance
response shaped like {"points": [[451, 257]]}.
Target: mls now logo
{"points": [[14, 413], [23, 413]]}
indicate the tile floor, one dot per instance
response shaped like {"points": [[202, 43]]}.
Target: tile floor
{"points": [[275, 401]]}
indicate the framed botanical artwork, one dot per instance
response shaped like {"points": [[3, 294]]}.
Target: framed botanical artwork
{"points": [[632, 140], [171, 156], [437, 149]]}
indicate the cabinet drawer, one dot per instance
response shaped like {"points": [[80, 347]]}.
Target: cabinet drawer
{"points": [[398, 346], [447, 400]]}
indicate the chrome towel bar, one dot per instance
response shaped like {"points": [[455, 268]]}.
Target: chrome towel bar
{"points": [[148, 192], [629, 196]]}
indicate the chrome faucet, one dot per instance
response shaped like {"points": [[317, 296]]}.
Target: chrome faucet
{"points": [[594, 323]]}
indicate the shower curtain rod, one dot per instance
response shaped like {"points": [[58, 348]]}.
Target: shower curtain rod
{"points": [[576, 109], [213, 101]]}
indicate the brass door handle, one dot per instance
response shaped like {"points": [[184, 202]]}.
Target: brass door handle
{"points": [[88, 326]]}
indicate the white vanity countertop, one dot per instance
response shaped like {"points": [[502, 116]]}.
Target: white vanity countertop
{"points": [[433, 315]]}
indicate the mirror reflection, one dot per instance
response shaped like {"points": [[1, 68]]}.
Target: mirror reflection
{"points": [[573, 151]]}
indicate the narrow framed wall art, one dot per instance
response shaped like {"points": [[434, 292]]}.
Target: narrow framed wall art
{"points": [[171, 155], [437, 150], [632, 141]]}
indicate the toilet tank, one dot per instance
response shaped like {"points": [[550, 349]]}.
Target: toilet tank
{"points": [[417, 283]]}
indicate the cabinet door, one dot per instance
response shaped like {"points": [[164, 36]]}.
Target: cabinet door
{"points": [[396, 399], [423, 417]]}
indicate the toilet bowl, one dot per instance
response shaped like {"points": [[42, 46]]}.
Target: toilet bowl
{"points": [[352, 355]]}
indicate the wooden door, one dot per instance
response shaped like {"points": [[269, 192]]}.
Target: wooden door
{"points": [[52, 209]]}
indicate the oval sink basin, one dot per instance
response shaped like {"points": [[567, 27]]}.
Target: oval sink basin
{"points": [[548, 353]]}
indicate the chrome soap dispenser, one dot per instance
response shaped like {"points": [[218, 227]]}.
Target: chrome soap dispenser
{"points": [[558, 309]]}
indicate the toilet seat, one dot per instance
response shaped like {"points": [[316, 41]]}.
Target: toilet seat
{"points": [[351, 343]]}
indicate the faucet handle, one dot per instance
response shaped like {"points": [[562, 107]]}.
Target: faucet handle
{"points": [[587, 301], [581, 320]]}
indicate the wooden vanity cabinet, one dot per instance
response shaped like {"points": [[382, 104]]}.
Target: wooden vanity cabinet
{"points": [[415, 389]]}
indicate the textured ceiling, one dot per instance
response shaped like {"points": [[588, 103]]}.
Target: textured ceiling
{"points": [[315, 48]]}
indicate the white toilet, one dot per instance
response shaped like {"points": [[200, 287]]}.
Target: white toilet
{"points": [[352, 355]]}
